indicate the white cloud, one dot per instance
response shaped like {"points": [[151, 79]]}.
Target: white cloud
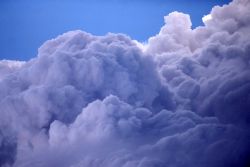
{"points": [[9, 66], [108, 101], [206, 18]]}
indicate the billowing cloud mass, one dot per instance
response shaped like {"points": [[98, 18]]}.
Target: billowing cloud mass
{"points": [[180, 100]]}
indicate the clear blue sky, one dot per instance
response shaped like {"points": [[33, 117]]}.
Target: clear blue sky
{"points": [[26, 24]]}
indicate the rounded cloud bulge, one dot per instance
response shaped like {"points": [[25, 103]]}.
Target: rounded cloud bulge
{"points": [[180, 99]]}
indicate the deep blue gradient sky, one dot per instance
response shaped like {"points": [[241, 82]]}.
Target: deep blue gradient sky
{"points": [[26, 24]]}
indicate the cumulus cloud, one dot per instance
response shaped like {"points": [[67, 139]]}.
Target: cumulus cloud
{"points": [[206, 18], [181, 99], [9, 66]]}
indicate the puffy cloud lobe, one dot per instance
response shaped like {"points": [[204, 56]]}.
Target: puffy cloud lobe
{"points": [[210, 73], [176, 35], [182, 99], [8, 66], [70, 72]]}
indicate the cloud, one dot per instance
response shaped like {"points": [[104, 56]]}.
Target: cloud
{"points": [[9, 66], [181, 99], [206, 18]]}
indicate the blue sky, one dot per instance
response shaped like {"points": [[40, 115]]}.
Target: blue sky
{"points": [[26, 24]]}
